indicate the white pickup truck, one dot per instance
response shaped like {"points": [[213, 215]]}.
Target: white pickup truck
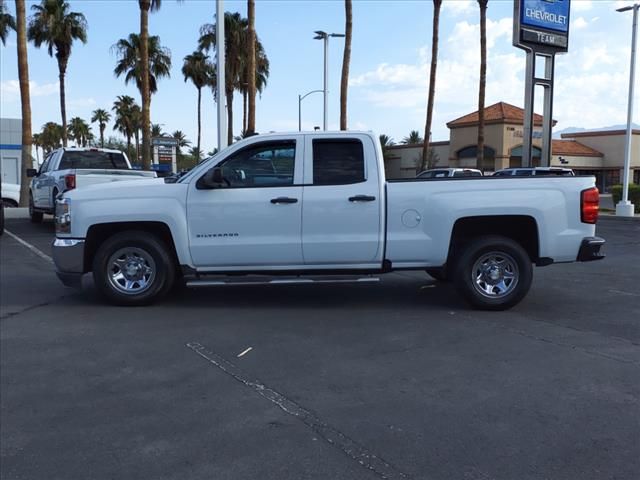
{"points": [[68, 168], [306, 207]]}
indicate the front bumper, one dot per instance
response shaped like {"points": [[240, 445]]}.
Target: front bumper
{"points": [[590, 249], [68, 257]]}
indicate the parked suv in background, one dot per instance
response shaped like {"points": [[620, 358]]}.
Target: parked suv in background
{"points": [[534, 171], [68, 168], [450, 172]]}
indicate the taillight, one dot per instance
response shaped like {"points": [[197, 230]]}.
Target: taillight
{"points": [[70, 181], [589, 205]]}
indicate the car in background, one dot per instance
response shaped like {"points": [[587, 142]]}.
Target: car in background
{"points": [[450, 172], [10, 194], [534, 171], [70, 168]]}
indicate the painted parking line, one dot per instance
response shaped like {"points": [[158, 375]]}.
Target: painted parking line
{"points": [[33, 248], [332, 435]]}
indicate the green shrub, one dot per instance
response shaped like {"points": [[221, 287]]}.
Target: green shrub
{"points": [[634, 195]]}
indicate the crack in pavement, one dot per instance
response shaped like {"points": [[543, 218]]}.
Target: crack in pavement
{"points": [[330, 434]]}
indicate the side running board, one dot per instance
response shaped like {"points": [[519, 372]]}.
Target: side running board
{"points": [[228, 281]]}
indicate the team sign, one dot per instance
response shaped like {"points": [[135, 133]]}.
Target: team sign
{"points": [[547, 14]]}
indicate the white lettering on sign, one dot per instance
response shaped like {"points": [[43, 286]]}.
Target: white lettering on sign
{"points": [[546, 16], [546, 38]]}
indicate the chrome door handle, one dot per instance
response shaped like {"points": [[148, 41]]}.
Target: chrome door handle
{"points": [[362, 198], [284, 200]]}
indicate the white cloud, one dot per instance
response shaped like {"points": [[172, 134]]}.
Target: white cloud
{"points": [[10, 90], [579, 22]]}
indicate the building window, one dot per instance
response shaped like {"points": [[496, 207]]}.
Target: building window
{"points": [[472, 152]]}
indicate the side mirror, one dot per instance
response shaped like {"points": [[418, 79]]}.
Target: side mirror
{"points": [[32, 172], [216, 175], [212, 179]]}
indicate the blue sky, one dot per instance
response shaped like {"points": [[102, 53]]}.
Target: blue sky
{"points": [[389, 66]]}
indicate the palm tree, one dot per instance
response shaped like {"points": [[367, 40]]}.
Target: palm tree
{"points": [[432, 81], [182, 140], [235, 28], [79, 131], [196, 154], [413, 138], [261, 76], [136, 124], [51, 136], [199, 70], [7, 22], [25, 100], [125, 121], [346, 60], [483, 80], [145, 85], [129, 51], [53, 24], [156, 130], [102, 117], [386, 141]]}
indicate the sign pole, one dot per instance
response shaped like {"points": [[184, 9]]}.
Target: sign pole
{"points": [[527, 131], [220, 64]]}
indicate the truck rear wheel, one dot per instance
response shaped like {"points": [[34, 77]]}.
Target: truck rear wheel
{"points": [[493, 273], [36, 217], [133, 268]]}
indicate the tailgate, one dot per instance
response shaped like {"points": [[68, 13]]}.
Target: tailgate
{"points": [[85, 177]]}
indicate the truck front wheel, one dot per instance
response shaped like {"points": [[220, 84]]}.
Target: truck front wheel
{"points": [[493, 273], [133, 268]]}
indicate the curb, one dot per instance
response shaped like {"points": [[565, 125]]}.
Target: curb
{"points": [[613, 217]]}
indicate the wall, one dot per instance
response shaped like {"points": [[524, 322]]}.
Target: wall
{"points": [[10, 149], [402, 160]]}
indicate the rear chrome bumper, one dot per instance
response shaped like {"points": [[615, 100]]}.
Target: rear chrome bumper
{"points": [[68, 257], [590, 249]]}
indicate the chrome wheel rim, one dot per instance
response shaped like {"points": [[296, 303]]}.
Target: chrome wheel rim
{"points": [[495, 275], [131, 270]]}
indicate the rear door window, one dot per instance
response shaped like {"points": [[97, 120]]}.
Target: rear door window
{"points": [[93, 160], [338, 162], [524, 173]]}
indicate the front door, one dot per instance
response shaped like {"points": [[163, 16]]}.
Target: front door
{"points": [[254, 218]]}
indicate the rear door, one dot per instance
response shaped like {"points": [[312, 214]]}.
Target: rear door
{"points": [[342, 206]]}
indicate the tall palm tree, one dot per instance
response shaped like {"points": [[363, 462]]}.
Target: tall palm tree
{"points": [[413, 138], [136, 125], [483, 80], [145, 76], [199, 70], [7, 22], [432, 81], [182, 140], [130, 64], [79, 131], [125, 121], [235, 27], [102, 117], [261, 76], [251, 65], [53, 24], [346, 60], [25, 100]]}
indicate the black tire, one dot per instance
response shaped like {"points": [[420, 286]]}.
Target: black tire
{"points": [[493, 273], [36, 217], [438, 273], [147, 253], [9, 203]]}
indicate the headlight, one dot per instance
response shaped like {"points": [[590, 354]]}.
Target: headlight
{"points": [[63, 215]]}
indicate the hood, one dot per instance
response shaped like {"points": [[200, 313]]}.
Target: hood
{"points": [[121, 189]]}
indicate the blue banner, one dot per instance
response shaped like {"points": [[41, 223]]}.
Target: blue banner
{"points": [[548, 14]]}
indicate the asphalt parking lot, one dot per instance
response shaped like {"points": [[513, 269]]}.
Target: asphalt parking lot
{"points": [[393, 380]]}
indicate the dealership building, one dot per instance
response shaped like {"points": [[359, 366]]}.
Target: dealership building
{"points": [[593, 152], [10, 149]]}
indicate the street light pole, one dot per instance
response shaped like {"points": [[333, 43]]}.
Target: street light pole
{"points": [[300, 98], [625, 208], [220, 64], [320, 35]]}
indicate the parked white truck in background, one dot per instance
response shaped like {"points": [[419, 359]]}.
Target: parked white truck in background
{"points": [[69, 168], [289, 208]]}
